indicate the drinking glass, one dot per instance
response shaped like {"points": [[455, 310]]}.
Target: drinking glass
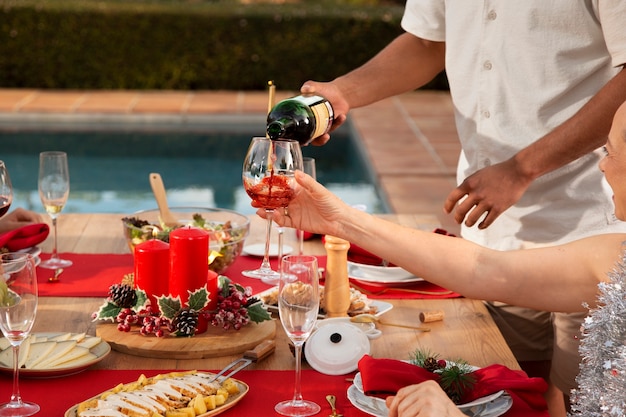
{"points": [[298, 306], [54, 188], [6, 190], [268, 178], [308, 166], [18, 307]]}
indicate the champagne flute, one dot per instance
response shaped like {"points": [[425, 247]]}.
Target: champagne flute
{"points": [[268, 178], [308, 167], [6, 190], [298, 306], [54, 188], [18, 307]]}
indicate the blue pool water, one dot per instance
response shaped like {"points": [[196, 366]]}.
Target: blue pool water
{"points": [[109, 168]]}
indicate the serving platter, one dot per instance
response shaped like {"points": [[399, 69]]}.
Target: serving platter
{"points": [[231, 401], [100, 350]]}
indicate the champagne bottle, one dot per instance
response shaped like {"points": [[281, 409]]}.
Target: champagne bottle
{"points": [[302, 118]]}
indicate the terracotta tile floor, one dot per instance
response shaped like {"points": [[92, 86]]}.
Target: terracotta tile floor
{"points": [[410, 139]]}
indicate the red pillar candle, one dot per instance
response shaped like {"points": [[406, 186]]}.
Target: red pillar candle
{"points": [[152, 269], [189, 261], [212, 288]]}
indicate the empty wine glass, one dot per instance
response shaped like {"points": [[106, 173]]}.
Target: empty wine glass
{"points": [[6, 190], [308, 167], [54, 188], [268, 178], [18, 307], [298, 306]]}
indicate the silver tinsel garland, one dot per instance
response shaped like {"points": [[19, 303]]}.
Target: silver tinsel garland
{"points": [[602, 378]]}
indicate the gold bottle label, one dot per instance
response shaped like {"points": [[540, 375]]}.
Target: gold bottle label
{"points": [[323, 112]]}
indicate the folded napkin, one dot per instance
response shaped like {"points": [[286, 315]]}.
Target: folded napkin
{"points": [[387, 376], [24, 237]]}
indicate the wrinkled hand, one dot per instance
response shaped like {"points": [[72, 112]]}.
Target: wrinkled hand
{"points": [[18, 218], [340, 106], [489, 191], [314, 208], [426, 399]]}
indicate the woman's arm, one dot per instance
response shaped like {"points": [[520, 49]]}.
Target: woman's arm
{"points": [[558, 278]]}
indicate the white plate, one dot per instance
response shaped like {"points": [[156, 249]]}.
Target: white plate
{"points": [[376, 403], [33, 250], [380, 274], [101, 350], [495, 408], [258, 249]]}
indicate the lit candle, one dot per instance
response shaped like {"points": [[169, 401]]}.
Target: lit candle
{"points": [[189, 261], [212, 282], [152, 269]]}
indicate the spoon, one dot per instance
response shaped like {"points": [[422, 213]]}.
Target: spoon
{"points": [[167, 217], [331, 400], [369, 318], [55, 278]]}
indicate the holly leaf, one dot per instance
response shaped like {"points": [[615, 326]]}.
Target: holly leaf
{"points": [[198, 299], [108, 311], [257, 313], [142, 300], [224, 284], [169, 306]]}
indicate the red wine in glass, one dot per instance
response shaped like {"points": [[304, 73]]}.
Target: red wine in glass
{"points": [[6, 190], [272, 192]]}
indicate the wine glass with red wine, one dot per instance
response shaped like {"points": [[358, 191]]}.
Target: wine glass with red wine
{"points": [[268, 178], [6, 190]]}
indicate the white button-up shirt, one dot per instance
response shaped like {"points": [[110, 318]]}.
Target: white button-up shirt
{"points": [[516, 71]]}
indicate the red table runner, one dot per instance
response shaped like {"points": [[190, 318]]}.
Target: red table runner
{"points": [[91, 275], [56, 396]]}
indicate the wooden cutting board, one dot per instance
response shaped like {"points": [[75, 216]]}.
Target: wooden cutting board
{"points": [[212, 343]]}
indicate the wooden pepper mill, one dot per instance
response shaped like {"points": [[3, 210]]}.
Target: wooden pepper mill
{"points": [[336, 283]]}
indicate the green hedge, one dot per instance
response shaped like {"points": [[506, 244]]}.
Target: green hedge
{"points": [[122, 44]]}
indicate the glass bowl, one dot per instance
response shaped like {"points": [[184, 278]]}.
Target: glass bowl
{"points": [[227, 231]]}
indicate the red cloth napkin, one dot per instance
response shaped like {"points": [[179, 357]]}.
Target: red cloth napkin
{"points": [[24, 237], [387, 376]]}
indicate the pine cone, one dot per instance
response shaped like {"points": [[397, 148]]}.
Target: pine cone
{"points": [[123, 295], [185, 322], [431, 364]]}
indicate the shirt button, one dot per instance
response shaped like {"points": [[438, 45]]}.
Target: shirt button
{"points": [[486, 162], [487, 65], [486, 114], [492, 15]]}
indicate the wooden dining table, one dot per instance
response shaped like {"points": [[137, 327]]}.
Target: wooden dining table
{"points": [[466, 332]]}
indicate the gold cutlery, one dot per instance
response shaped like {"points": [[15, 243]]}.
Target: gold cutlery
{"points": [[331, 400], [55, 277], [369, 318]]}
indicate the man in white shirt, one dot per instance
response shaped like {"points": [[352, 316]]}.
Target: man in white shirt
{"points": [[535, 85]]}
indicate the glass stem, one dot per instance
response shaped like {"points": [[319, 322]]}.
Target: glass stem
{"points": [[15, 396], [297, 389], [54, 248], [301, 241], [268, 234]]}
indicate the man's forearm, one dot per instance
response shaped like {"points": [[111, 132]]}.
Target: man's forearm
{"points": [[404, 65]]}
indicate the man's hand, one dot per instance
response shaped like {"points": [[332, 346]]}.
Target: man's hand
{"points": [[488, 192], [340, 106]]}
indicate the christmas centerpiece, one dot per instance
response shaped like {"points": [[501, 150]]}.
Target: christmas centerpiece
{"points": [[131, 307]]}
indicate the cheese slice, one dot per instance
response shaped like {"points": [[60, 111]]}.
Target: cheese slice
{"points": [[4, 343], [60, 350], [74, 353], [90, 342], [24, 350], [62, 337], [78, 361], [39, 351], [6, 356]]}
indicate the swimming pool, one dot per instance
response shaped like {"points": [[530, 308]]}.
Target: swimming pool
{"points": [[110, 163]]}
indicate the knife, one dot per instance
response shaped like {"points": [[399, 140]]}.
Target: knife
{"points": [[260, 352]]}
